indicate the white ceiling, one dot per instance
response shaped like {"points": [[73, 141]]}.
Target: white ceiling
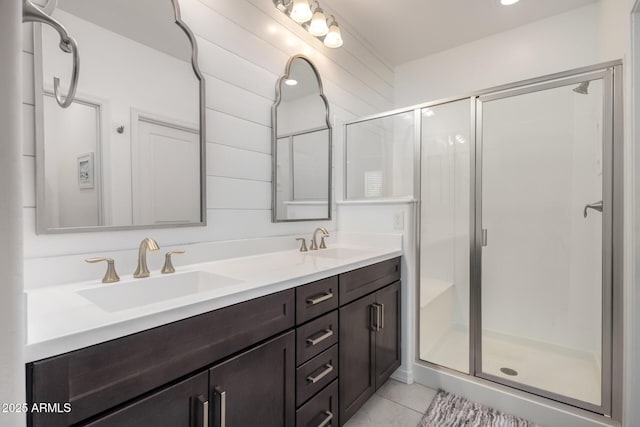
{"points": [[404, 30]]}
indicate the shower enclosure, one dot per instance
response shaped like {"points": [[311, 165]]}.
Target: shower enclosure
{"points": [[519, 232]]}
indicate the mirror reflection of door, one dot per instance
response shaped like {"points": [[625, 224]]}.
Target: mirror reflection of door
{"points": [[165, 174], [302, 145]]}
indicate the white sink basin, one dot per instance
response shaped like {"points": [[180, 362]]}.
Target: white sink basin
{"points": [[139, 292], [340, 253]]}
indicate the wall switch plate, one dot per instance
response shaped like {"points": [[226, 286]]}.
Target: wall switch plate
{"points": [[398, 221]]}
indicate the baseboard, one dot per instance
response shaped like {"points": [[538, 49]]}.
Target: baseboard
{"points": [[532, 408], [403, 375]]}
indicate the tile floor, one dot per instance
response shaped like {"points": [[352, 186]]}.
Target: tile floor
{"points": [[394, 405]]}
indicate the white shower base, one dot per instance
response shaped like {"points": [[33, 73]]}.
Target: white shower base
{"points": [[561, 370]]}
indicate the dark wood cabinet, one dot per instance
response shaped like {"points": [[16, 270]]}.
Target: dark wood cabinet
{"points": [[181, 405], [255, 388], [98, 378], [387, 349], [369, 346]]}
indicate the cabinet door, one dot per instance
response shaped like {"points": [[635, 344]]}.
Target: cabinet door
{"points": [[357, 355], [181, 405], [255, 388], [388, 332]]}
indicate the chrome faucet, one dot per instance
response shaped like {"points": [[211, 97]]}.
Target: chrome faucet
{"points": [[146, 244], [314, 243]]}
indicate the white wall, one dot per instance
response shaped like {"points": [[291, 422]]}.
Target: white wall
{"points": [[12, 381], [243, 46], [578, 38]]}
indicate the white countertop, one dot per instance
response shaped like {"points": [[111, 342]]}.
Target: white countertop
{"points": [[62, 320]]}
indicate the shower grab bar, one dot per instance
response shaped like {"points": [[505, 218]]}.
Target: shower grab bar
{"points": [[31, 13], [597, 206]]}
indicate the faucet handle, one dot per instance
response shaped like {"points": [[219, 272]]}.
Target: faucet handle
{"points": [[322, 243], [168, 265], [303, 245], [110, 276]]}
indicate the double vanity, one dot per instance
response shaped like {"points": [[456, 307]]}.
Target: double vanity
{"points": [[274, 339]]}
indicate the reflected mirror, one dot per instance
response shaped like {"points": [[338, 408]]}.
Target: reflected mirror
{"points": [[129, 151], [301, 145]]}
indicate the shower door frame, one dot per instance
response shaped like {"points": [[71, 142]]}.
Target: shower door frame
{"points": [[611, 399], [608, 139]]}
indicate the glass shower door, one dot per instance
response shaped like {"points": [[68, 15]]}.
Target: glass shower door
{"points": [[543, 200]]}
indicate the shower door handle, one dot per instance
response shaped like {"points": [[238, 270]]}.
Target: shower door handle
{"points": [[597, 206]]}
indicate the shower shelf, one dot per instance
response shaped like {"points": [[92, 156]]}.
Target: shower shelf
{"points": [[431, 289]]}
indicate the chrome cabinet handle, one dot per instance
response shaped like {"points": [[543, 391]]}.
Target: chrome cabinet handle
{"points": [[202, 412], [327, 420], [377, 316], [328, 368], [597, 206], [373, 317], [321, 298], [314, 341], [380, 314], [220, 406]]}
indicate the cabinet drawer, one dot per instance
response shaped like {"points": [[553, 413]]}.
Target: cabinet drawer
{"points": [[363, 281], [316, 336], [173, 406], [315, 374], [322, 410], [316, 298], [100, 377]]}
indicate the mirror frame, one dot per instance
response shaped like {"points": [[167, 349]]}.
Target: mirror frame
{"points": [[274, 142], [41, 227]]}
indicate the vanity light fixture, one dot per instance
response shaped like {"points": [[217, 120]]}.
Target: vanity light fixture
{"points": [[508, 2], [333, 38], [300, 11], [315, 22], [318, 26]]}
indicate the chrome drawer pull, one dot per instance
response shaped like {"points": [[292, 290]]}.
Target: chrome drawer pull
{"points": [[327, 333], [327, 420], [328, 369], [319, 299]]}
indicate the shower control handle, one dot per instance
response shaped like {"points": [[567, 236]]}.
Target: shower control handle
{"points": [[597, 206]]}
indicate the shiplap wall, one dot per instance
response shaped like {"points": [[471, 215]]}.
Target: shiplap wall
{"points": [[243, 49]]}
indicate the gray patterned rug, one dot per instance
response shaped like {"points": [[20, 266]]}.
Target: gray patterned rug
{"points": [[449, 410]]}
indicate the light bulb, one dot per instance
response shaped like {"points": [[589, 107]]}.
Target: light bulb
{"points": [[290, 82], [333, 39], [508, 2], [318, 26], [300, 11]]}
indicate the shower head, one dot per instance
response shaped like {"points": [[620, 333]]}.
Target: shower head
{"points": [[582, 88]]}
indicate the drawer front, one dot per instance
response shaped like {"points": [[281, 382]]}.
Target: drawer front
{"points": [[322, 410], [100, 377], [363, 281], [314, 375], [316, 336], [175, 406], [316, 299]]}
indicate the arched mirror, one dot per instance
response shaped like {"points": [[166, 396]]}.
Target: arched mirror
{"points": [[301, 145], [129, 151]]}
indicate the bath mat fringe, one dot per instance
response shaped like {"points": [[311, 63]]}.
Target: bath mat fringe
{"points": [[449, 410]]}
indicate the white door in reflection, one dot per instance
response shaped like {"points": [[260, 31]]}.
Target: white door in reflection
{"points": [[542, 261]]}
